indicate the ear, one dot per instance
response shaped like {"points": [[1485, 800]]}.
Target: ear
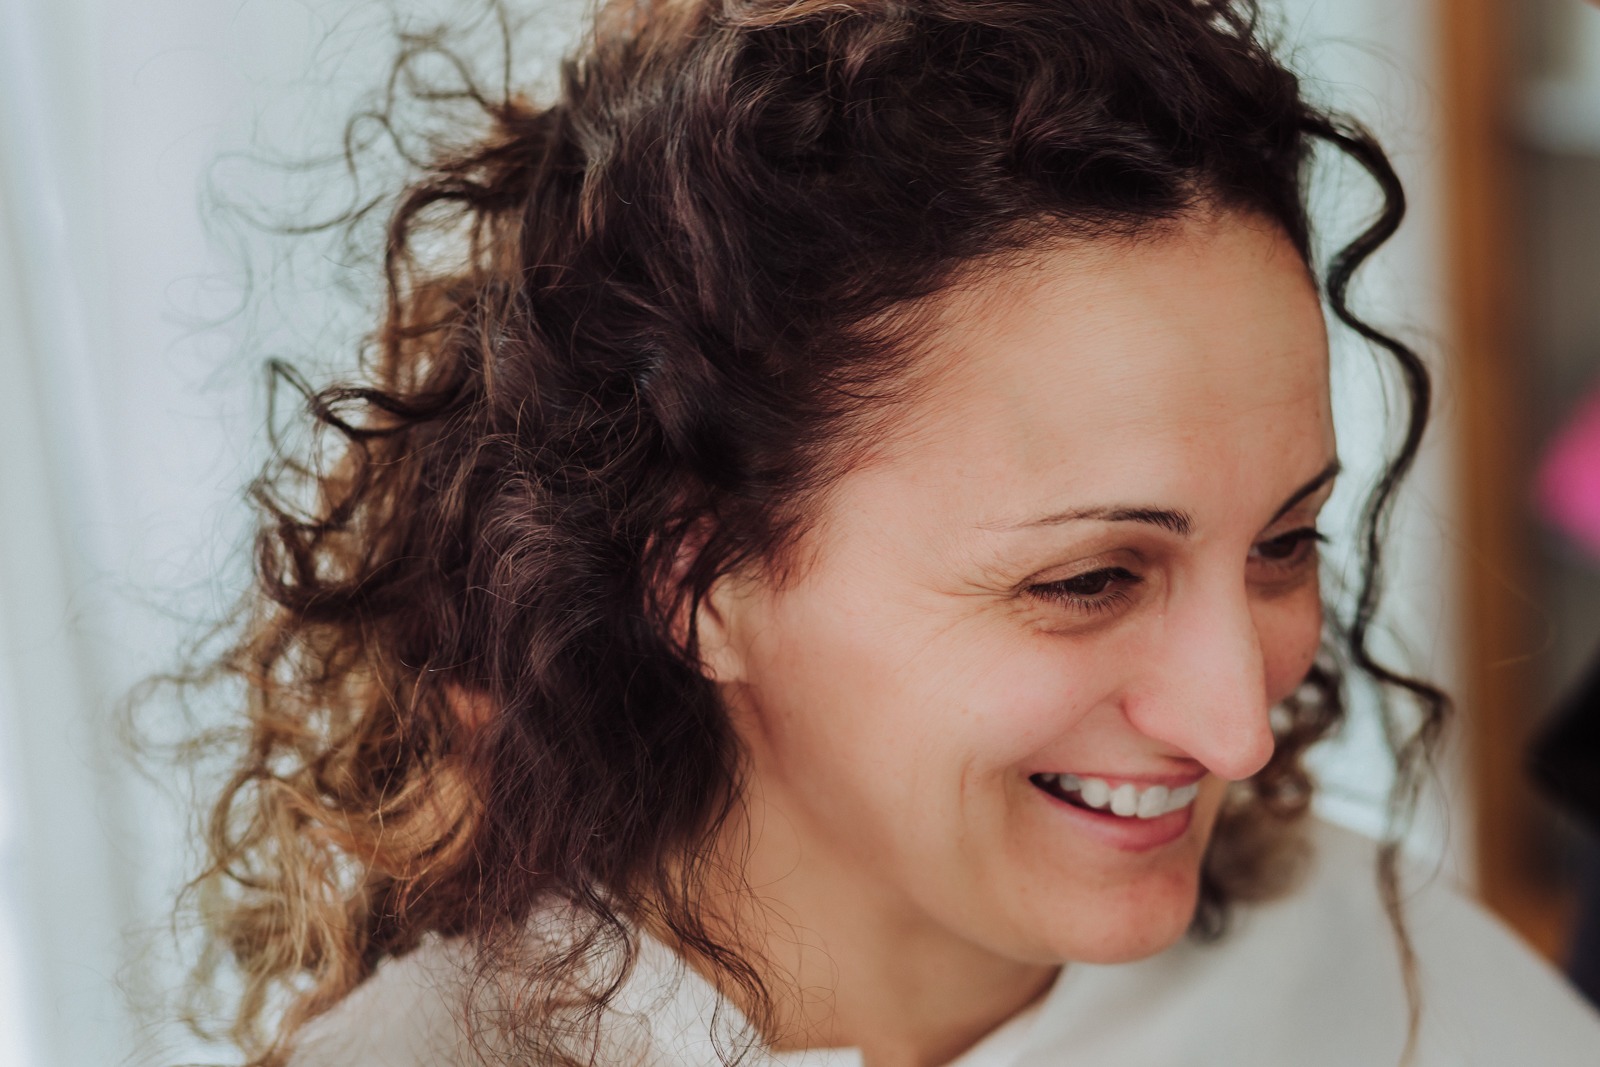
{"points": [[720, 618], [721, 623]]}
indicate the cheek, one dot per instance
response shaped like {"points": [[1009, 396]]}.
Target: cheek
{"points": [[905, 711], [1028, 691], [889, 704], [1291, 632]]}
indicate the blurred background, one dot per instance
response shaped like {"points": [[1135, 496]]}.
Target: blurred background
{"points": [[138, 301]]}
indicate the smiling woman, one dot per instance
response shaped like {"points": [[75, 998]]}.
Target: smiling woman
{"points": [[1174, 393], [823, 568]]}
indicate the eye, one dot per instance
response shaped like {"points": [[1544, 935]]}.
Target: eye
{"points": [[1093, 591], [1290, 551]]}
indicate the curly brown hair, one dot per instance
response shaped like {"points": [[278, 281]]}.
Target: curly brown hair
{"points": [[656, 318]]}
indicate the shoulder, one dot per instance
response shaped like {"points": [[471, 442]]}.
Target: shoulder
{"points": [[435, 1006], [1314, 978], [410, 1011], [1485, 996]]}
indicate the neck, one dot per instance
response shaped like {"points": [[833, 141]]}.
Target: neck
{"points": [[851, 963]]}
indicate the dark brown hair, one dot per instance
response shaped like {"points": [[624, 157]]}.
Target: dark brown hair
{"points": [[666, 311]]}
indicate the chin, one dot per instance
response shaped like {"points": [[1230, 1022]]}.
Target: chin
{"points": [[1127, 945], [1122, 926]]}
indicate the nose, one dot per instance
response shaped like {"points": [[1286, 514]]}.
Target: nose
{"points": [[1203, 687]]}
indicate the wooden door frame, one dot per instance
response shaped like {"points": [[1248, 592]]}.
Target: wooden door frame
{"points": [[1477, 83]]}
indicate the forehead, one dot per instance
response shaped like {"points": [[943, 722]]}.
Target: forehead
{"points": [[1166, 367]]}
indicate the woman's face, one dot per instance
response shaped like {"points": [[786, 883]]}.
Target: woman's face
{"points": [[1087, 551]]}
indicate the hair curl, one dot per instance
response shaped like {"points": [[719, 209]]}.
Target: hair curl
{"points": [[668, 319]]}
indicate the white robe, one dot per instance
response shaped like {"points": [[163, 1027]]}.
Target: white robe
{"points": [[1311, 980]]}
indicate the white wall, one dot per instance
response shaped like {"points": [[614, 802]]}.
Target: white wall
{"points": [[1376, 60], [128, 425]]}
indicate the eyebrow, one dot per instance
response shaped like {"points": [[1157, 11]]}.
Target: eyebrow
{"points": [[1170, 519]]}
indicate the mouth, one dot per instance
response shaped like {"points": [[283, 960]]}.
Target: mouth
{"points": [[1124, 801]]}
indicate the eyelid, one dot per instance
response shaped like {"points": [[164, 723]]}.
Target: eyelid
{"points": [[1104, 556], [1305, 528], [1306, 512], [1122, 583], [1304, 550]]}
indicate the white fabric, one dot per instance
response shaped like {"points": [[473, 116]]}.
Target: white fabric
{"points": [[1312, 980]]}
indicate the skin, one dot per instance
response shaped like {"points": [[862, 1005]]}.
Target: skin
{"points": [[917, 888]]}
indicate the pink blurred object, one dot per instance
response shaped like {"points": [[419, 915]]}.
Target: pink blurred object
{"points": [[1568, 482]]}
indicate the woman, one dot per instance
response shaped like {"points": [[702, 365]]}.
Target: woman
{"points": [[824, 568]]}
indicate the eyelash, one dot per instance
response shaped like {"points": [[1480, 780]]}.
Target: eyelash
{"points": [[1295, 541], [1090, 602], [1095, 602]]}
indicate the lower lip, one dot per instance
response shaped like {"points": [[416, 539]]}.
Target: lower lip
{"points": [[1125, 835]]}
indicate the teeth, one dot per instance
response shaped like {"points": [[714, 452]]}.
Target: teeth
{"points": [[1152, 801], [1126, 800], [1096, 792]]}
